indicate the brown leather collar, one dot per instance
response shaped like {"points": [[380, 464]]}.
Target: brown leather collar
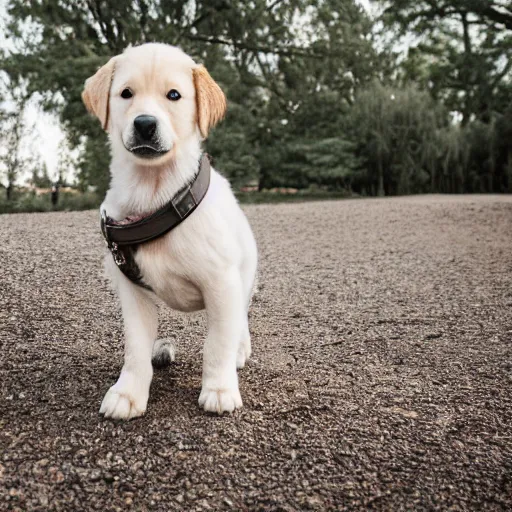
{"points": [[164, 219], [122, 237]]}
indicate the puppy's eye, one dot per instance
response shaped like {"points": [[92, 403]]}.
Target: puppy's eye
{"points": [[173, 95], [126, 94]]}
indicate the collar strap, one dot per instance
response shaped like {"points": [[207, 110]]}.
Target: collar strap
{"points": [[164, 219]]}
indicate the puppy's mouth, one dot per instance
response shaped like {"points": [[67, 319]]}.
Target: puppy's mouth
{"points": [[147, 151]]}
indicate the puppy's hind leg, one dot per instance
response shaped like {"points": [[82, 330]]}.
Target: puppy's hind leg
{"points": [[164, 353], [249, 283], [244, 346], [128, 397]]}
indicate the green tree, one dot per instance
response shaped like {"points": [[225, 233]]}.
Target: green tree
{"points": [[270, 56], [41, 178], [397, 133], [13, 131], [461, 49]]}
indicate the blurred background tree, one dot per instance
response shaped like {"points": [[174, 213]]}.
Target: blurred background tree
{"points": [[40, 178], [15, 132], [412, 98]]}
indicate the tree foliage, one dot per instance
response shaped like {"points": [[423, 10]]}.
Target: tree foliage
{"points": [[314, 98], [463, 51], [40, 178], [269, 56], [14, 132]]}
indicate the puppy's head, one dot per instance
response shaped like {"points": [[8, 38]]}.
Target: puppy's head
{"points": [[151, 99]]}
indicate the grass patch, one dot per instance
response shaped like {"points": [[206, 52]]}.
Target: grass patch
{"points": [[299, 196], [27, 202]]}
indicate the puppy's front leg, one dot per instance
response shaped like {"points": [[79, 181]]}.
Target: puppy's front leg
{"points": [[224, 306], [128, 397]]}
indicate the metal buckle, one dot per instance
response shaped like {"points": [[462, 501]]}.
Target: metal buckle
{"points": [[103, 226], [184, 204], [118, 255]]}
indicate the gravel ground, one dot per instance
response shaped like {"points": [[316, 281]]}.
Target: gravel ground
{"points": [[381, 376]]}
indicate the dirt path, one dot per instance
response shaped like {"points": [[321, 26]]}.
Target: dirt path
{"points": [[381, 377]]}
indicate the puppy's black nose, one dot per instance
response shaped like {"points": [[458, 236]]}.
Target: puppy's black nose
{"points": [[145, 126]]}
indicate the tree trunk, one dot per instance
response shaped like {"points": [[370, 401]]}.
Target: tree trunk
{"points": [[263, 181], [380, 191], [509, 170], [466, 71]]}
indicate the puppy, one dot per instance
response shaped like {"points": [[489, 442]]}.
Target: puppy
{"points": [[209, 260]]}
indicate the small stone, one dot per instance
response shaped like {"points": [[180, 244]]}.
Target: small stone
{"points": [[315, 502], [403, 412], [95, 476], [57, 477], [136, 466]]}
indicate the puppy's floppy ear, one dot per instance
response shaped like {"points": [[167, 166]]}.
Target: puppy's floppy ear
{"points": [[97, 92], [210, 100]]}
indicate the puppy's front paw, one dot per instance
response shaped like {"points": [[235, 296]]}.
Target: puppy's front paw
{"points": [[119, 406], [126, 399], [220, 400]]}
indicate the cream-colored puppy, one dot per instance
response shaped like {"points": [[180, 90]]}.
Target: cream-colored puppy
{"points": [[208, 261]]}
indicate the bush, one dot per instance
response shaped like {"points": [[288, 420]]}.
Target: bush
{"points": [[310, 194], [29, 202]]}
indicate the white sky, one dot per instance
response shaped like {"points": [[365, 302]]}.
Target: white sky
{"points": [[364, 3], [47, 134]]}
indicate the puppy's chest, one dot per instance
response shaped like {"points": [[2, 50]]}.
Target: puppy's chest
{"points": [[163, 270]]}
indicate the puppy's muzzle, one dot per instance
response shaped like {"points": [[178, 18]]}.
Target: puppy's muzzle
{"points": [[146, 143]]}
